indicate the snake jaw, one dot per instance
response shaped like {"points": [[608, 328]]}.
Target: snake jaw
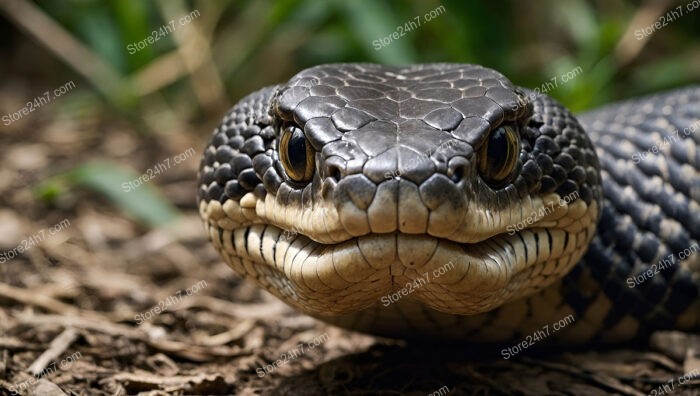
{"points": [[354, 273]]}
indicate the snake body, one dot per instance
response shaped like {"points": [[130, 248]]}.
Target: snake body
{"points": [[441, 200]]}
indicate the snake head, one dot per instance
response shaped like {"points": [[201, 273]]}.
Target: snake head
{"points": [[351, 181]]}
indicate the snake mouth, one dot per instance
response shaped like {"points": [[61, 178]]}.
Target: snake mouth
{"points": [[336, 273], [339, 278]]}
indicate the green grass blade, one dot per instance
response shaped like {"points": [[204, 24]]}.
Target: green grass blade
{"points": [[144, 204]]}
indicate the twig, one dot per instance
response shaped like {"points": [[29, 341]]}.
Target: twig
{"points": [[607, 382], [57, 346], [231, 335], [16, 343], [206, 83], [629, 46], [36, 300], [158, 381], [243, 311], [169, 67], [161, 72], [195, 353]]}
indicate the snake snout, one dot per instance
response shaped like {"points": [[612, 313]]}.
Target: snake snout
{"points": [[406, 191]]}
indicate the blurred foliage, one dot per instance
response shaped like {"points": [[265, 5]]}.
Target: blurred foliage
{"points": [[140, 200], [244, 45], [263, 42]]}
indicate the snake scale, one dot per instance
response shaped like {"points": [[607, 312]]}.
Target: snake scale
{"points": [[441, 200]]}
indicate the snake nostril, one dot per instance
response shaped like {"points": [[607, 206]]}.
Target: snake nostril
{"points": [[457, 170], [333, 172]]}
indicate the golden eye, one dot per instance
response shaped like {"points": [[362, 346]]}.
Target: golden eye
{"points": [[296, 154], [498, 156]]}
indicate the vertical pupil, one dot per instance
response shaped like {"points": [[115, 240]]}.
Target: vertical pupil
{"points": [[497, 151], [296, 151]]}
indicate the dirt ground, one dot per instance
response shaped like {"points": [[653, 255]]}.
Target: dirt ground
{"points": [[106, 306]]}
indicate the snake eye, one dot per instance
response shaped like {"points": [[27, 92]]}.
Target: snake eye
{"points": [[498, 156], [296, 154]]}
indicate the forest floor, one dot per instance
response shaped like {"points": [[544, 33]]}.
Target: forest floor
{"points": [[106, 306]]}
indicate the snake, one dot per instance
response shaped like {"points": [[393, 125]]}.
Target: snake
{"points": [[442, 201]]}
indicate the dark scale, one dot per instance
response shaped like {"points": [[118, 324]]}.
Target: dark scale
{"points": [[621, 250]]}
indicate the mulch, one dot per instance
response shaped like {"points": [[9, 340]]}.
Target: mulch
{"points": [[102, 306]]}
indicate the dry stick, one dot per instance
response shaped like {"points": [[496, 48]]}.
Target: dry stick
{"points": [[169, 67], [207, 84], [17, 344], [241, 311], [662, 360], [235, 333], [629, 47], [36, 300], [609, 383], [195, 353], [74, 317], [692, 360], [57, 346], [57, 40], [161, 72], [161, 380]]}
